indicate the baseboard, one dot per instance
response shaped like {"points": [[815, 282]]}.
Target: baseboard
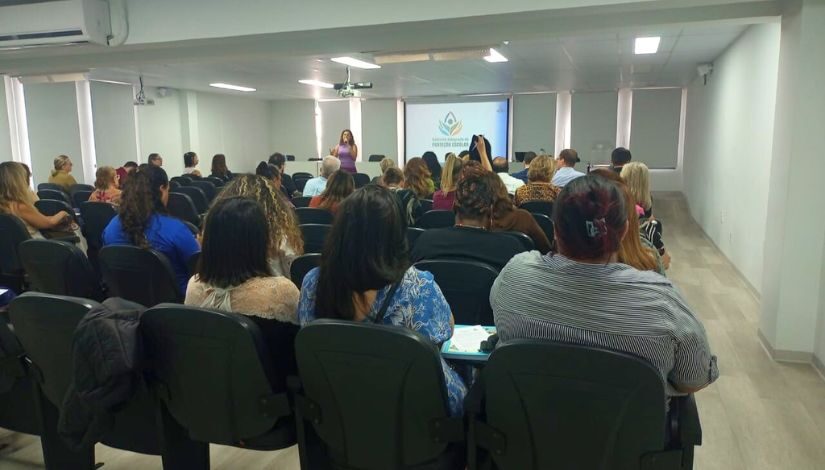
{"points": [[819, 366], [784, 355]]}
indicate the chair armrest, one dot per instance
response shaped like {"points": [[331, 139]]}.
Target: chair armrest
{"points": [[687, 425]]}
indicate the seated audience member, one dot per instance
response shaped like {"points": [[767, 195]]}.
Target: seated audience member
{"points": [[272, 174], [507, 217], [470, 239], [385, 164], [316, 186], [123, 173], [480, 151], [61, 175], [464, 155], [190, 163], [219, 169], [365, 267], [233, 275], [566, 168], [143, 221], [528, 159], [417, 178], [619, 158], [435, 168], [444, 198], [106, 186], [635, 250], [285, 241], [155, 159], [540, 187], [34, 198], [502, 169], [582, 295], [16, 198], [340, 185], [287, 185], [637, 177], [408, 203]]}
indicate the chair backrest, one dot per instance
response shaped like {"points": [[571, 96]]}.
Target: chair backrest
{"points": [[215, 181], [225, 402], [311, 215], [12, 233], [546, 225], [180, 180], [187, 178], [301, 201], [54, 194], [301, 174], [52, 186], [567, 406], [290, 158], [412, 236], [523, 238], [196, 195], [361, 179], [436, 219], [466, 286], [426, 205], [80, 187], [174, 185], [207, 187], [96, 216], [181, 206], [300, 182], [314, 236], [378, 391], [51, 207], [59, 268], [140, 275], [80, 196], [302, 265], [18, 410], [376, 158], [540, 207]]}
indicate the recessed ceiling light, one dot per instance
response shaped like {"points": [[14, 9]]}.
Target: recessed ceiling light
{"points": [[495, 56], [227, 86], [317, 83], [352, 62], [649, 45]]}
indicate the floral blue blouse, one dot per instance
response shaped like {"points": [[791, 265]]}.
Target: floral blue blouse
{"points": [[418, 305]]}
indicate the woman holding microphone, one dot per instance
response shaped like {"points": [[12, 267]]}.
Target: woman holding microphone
{"points": [[346, 151]]}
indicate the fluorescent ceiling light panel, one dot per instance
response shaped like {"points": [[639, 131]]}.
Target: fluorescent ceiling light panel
{"points": [[649, 45], [402, 58], [353, 62], [317, 83], [227, 86], [495, 56]]}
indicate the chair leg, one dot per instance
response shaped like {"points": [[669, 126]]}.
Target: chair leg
{"points": [[56, 454], [177, 449]]}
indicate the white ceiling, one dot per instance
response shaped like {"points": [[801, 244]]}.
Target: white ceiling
{"points": [[596, 61]]}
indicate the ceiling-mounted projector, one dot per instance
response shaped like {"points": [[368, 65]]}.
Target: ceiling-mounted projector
{"points": [[349, 89], [140, 97]]}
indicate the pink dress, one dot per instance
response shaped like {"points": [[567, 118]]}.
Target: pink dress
{"points": [[443, 201], [347, 160]]}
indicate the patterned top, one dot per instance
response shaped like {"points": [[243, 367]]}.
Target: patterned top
{"points": [[418, 305], [537, 192], [612, 306], [272, 298], [112, 196]]}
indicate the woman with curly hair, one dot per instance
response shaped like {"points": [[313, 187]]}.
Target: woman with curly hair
{"points": [[340, 185], [106, 186], [143, 221], [418, 179], [285, 242]]}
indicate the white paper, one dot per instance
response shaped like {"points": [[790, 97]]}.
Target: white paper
{"points": [[3, 291], [468, 339]]}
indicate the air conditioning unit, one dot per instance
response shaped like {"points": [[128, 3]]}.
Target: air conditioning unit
{"points": [[55, 22]]}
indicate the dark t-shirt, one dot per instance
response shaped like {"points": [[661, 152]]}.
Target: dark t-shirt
{"points": [[288, 186], [467, 243]]}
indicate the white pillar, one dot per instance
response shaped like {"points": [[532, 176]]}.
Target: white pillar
{"points": [[355, 125], [85, 122], [18, 125], [624, 114], [401, 133], [564, 107]]}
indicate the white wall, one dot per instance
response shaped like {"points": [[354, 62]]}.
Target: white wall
{"points": [[334, 119], [534, 123], [292, 128], [51, 112], [729, 136], [161, 131], [379, 123], [5, 139], [654, 135], [114, 124], [593, 125], [237, 127]]}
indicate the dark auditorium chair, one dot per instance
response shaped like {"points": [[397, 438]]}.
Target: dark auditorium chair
{"points": [[301, 201], [49, 207], [310, 215], [372, 397], [412, 236], [96, 216], [173, 185], [302, 265], [376, 158], [55, 195], [180, 180], [188, 179], [436, 219], [12, 233], [60, 268], [197, 196], [523, 238], [51, 186], [426, 205], [302, 174], [45, 325], [18, 407], [215, 181], [539, 207], [80, 196], [181, 206], [80, 187], [290, 158], [546, 224], [466, 286], [542, 405], [207, 187], [240, 400], [361, 180], [314, 236], [300, 182], [138, 274]]}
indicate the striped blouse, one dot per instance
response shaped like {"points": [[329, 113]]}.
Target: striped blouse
{"points": [[612, 306]]}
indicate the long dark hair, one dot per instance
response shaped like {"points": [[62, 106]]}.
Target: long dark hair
{"points": [[365, 250], [431, 160], [268, 171], [235, 243], [340, 185], [140, 200], [351, 140], [219, 165], [189, 159]]}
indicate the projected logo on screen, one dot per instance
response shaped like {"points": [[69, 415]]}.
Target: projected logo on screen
{"points": [[450, 126]]}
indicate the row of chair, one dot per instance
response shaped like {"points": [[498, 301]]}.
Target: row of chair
{"points": [[364, 396]]}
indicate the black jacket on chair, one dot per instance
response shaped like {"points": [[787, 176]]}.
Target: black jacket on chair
{"points": [[106, 360]]}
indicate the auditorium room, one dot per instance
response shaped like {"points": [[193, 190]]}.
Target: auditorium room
{"points": [[377, 235]]}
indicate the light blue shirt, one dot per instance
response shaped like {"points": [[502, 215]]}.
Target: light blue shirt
{"points": [[565, 175], [315, 186]]}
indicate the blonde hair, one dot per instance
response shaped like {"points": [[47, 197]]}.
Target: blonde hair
{"points": [[281, 217], [386, 164], [637, 177], [60, 162], [14, 186], [541, 169], [449, 177], [104, 177]]}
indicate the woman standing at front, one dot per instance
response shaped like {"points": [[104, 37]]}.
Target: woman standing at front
{"points": [[346, 151]]}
